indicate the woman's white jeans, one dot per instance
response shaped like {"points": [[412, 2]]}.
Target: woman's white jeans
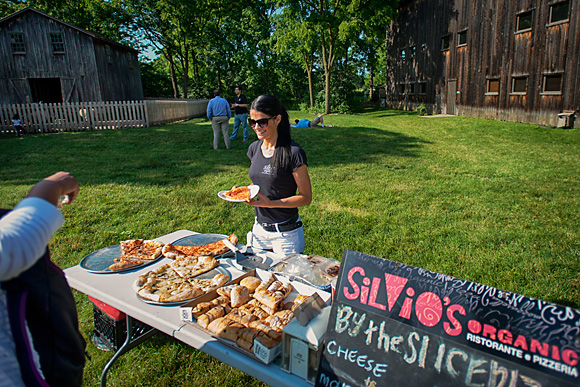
{"points": [[283, 243]]}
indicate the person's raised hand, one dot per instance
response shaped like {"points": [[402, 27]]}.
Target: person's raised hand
{"points": [[54, 186]]}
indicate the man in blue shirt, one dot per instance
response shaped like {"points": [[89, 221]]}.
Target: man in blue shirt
{"points": [[219, 113], [305, 123]]}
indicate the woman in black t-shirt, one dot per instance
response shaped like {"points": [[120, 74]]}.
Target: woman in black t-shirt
{"points": [[279, 167]]}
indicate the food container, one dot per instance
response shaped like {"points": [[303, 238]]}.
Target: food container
{"points": [[313, 270], [260, 352], [302, 346]]}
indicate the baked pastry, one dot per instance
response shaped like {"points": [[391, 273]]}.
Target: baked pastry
{"points": [[251, 283], [239, 295], [203, 307], [216, 312]]}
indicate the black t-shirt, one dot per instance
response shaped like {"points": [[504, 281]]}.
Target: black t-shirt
{"points": [[242, 101], [275, 186]]}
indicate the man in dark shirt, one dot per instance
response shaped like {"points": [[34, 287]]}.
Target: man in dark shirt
{"points": [[241, 106]]}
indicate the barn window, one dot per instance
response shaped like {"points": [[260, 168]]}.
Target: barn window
{"points": [[462, 38], [493, 86], [559, 12], [412, 52], [422, 88], [519, 85], [403, 55], [17, 43], [57, 42], [411, 88], [445, 43], [552, 84], [524, 21], [401, 88], [108, 54]]}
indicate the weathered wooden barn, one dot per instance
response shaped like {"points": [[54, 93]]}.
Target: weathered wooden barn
{"points": [[513, 60], [44, 59]]}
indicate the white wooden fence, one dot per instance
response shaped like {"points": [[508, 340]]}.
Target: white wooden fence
{"points": [[81, 116]]}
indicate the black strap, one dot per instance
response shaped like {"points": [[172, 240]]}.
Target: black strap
{"points": [[16, 305], [41, 299]]}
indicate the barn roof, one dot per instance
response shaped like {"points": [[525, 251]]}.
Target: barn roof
{"points": [[93, 35]]}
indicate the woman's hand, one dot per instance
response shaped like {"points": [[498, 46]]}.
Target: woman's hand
{"points": [[259, 200], [301, 199]]}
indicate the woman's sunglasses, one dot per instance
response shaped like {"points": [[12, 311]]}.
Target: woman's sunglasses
{"points": [[261, 122]]}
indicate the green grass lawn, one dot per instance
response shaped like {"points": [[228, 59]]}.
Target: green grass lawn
{"points": [[491, 202]]}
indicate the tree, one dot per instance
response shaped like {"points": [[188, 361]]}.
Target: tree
{"points": [[156, 81], [299, 38], [337, 23], [106, 17], [176, 28], [8, 6], [373, 22]]}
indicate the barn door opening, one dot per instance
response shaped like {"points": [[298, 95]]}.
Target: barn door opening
{"points": [[451, 92], [45, 90]]}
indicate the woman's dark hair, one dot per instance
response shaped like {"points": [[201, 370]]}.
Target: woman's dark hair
{"points": [[270, 105]]}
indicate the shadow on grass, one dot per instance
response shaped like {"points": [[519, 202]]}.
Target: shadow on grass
{"points": [[376, 111], [340, 146], [174, 154]]}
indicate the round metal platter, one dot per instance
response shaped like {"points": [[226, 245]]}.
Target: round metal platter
{"points": [[203, 239], [99, 261]]}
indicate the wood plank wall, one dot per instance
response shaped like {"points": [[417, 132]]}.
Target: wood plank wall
{"points": [[494, 50]]}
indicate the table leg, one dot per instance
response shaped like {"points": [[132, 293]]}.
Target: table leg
{"points": [[127, 345]]}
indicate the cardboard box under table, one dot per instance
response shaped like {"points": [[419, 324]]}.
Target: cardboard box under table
{"points": [[302, 346], [260, 352]]}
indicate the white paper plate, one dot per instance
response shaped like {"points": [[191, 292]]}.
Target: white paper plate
{"points": [[254, 189]]}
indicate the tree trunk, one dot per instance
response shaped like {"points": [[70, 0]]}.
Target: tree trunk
{"points": [[309, 64], [372, 85], [195, 66], [327, 60], [185, 75], [327, 91], [310, 88], [173, 77]]}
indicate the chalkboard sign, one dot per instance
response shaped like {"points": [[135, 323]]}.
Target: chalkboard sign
{"points": [[397, 325]]}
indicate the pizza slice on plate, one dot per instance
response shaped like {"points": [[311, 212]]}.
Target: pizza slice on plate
{"points": [[125, 263], [141, 249], [210, 249], [135, 252], [238, 193]]}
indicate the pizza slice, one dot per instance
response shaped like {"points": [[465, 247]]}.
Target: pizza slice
{"points": [[141, 249], [135, 252], [210, 249], [123, 263], [238, 193], [189, 267]]}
